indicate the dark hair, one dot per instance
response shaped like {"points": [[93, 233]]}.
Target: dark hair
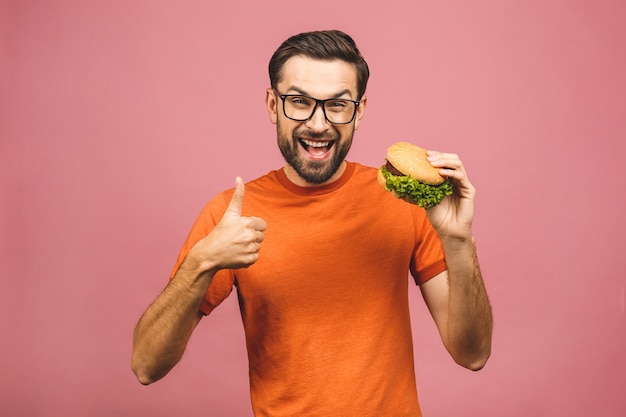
{"points": [[326, 45]]}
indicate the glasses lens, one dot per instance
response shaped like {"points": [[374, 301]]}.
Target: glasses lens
{"points": [[301, 108], [339, 111]]}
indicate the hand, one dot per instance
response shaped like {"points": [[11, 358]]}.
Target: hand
{"points": [[452, 218], [236, 240]]}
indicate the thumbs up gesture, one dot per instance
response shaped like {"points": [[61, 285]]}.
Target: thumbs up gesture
{"points": [[236, 240]]}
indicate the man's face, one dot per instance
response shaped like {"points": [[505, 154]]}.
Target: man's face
{"points": [[314, 149]]}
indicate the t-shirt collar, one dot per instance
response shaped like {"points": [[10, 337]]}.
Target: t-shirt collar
{"points": [[319, 189]]}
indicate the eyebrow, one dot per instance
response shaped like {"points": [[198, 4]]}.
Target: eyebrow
{"points": [[336, 95]]}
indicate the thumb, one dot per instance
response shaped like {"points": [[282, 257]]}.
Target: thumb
{"points": [[237, 200]]}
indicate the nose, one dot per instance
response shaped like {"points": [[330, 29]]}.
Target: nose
{"points": [[318, 122]]}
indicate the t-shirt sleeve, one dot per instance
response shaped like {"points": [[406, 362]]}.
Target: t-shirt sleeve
{"points": [[223, 281], [428, 259]]}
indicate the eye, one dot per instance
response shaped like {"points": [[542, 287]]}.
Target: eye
{"points": [[337, 105], [300, 101]]}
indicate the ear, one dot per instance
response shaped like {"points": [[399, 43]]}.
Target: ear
{"points": [[360, 111], [271, 103]]}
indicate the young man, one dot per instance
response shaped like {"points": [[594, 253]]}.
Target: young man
{"points": [[319, 254]]}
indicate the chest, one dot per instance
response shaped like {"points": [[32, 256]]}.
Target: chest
{"points": [[340, 251]]}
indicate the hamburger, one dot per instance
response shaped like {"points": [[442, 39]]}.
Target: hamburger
{"points": [[409, 176]]}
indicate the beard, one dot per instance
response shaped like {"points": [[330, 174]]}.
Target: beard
{"points": [[312, 171]]}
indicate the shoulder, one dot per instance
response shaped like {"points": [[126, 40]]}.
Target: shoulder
{"points": [[262, 184], [363, 175], [365, 182]]}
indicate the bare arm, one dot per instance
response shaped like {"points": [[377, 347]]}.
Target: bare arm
{"points": [[457, 298], [162, 333]]}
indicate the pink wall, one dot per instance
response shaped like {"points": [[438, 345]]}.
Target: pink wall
{"points": [[119, 120]]}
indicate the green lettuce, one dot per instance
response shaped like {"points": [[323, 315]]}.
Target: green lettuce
{"points": [[413, 191]]}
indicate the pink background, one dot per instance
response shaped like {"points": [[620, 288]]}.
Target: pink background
{"points": [[120, 119]]}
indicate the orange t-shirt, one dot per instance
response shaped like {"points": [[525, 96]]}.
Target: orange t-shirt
{"points": [[325, 308]]}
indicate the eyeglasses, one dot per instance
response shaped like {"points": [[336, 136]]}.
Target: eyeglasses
{"points": [[301, 108]]}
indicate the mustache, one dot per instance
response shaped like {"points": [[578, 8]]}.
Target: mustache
{"points": [[315, 135]]}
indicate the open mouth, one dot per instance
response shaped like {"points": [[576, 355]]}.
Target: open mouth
{"points": [[317, 148]]}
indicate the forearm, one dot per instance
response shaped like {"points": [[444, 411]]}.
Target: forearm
{"points": [[163, 331], [470, 322]]}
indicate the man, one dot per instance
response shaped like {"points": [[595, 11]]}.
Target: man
{"points": [[319, 254]]}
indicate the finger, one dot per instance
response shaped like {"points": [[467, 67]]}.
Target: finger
{"points": [[435, 158], [258, 224], [445, 160], [455, 174], [237, 200]]}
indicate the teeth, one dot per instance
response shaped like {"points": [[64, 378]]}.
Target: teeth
{"points": [[315, 144]]}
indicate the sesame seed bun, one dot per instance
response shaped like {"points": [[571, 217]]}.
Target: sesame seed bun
{"points": [[411, 160]]}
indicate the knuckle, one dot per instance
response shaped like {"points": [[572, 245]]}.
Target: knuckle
{"points": [[252, 258]]}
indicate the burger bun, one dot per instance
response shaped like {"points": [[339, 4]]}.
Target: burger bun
{"points": [[412, 160]]}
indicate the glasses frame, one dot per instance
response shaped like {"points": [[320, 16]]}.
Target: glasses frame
{"points": [[318, 102]]}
